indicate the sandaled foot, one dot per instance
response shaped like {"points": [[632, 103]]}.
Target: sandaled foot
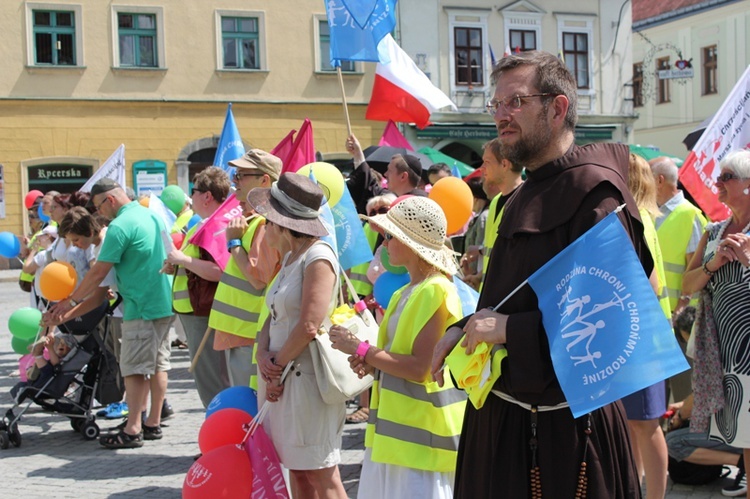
{"points": [[121, 440], [361, 415], [152, 432]]}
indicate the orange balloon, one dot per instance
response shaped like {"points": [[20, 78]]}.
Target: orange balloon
{"points": [[144, 201], [455, 198], [57, 281]]}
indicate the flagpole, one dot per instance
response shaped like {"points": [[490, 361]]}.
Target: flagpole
{"points": [[343, 100]]}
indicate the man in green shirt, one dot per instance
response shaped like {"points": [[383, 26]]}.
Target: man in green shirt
{"points": [[133, 246]]}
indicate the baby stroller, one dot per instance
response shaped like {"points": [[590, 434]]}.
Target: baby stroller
{"points": [[89, 371]]}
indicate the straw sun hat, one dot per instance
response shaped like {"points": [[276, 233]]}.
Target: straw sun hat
{"points": [[293, 202], [419, 223]]}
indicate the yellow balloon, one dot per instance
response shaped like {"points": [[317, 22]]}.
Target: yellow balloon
{"points": [[330, 179]]}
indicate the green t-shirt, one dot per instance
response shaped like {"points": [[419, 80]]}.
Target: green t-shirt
{"points": [[134, 245]]}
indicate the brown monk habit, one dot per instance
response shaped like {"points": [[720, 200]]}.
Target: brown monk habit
{"points": [[559, 202]]}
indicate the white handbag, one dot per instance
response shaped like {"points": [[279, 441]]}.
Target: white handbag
{"points": [[336, 380]]}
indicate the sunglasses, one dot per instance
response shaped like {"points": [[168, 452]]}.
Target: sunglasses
{"points": [[237, 177], [380, 211], [726, 177], [192, 193]]}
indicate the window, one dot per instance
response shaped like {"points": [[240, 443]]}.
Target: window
{"points": [[709, 70], [576, 54], [468, 56], [324, 41], [522, 40], [638, 84], [663, 96], [239, 37], [54, 37], [137, 34]]}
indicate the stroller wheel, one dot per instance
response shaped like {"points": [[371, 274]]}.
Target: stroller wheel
{"points": [[4, 440], [90, 430], [76, 424], [15, 435]]}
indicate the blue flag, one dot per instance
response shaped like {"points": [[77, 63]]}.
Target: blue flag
{"points": [[350, 236], [608, 336], [468, 295], [230, 144], [357, 26]]}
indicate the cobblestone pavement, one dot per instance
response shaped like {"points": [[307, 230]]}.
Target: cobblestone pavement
{"points": [[54, 461]]}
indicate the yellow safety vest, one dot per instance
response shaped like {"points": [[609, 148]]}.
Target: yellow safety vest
{"points": [[674, 235], [358, 273], [652, 241], [490, 231], [264, 313], [237, 304], [416, 425], [180, 297], [181, 222]]}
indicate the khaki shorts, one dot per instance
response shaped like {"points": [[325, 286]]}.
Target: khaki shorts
{"points": [[145, 348]]}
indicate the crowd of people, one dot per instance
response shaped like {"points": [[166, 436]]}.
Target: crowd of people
{"points": [[252, 320]]}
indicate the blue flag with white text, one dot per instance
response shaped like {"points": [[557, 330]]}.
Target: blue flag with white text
{"points": [[607, 334], [357, 26], [230, 144]]}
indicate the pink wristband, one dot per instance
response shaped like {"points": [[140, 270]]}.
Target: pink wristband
{"points": [[362, 349]]}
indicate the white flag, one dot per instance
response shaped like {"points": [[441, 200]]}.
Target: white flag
{"points": [[113, 168]]}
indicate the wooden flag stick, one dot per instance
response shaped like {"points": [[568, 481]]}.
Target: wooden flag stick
{"points": [[200, 349], [343, 100]]}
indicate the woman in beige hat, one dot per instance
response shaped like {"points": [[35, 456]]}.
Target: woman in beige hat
{"points": [[414, 426], [305, 431]]}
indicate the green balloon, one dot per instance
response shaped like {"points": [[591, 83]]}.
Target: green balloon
{"points": [[24, 323], [173, 198], [21, 347], [386, 261]]}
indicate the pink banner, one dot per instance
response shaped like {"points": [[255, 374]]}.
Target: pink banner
{"points": [[211, 236], [392, 137]]}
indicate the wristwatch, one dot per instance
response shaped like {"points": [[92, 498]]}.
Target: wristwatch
{"points": [[73, 303], [233, 243]]}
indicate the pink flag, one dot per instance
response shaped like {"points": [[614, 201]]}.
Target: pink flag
{"points": [[302, 151], [284, 147], [211, 236], [402, 92], [392, 137]]}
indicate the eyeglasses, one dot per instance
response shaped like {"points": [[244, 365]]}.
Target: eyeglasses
{"points": [[726, 177], [388, 236], [237, 177], [97, 208], [192, 192], [512, 103]]}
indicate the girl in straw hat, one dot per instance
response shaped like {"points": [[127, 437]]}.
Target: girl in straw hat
{"points": [[414, 425]]}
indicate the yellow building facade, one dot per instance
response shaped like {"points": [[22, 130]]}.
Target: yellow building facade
{"points": [[82, 77]]}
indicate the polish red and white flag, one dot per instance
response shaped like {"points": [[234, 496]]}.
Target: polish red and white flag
{"points": [[402, 92]]}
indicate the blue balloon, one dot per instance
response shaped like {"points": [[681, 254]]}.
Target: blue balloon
{"points": [[243, 398], [10, 246], [193, 220], [44, 218], [387, 284]]}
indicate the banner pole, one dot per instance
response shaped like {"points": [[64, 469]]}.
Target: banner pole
{"points": [[343, 100]]}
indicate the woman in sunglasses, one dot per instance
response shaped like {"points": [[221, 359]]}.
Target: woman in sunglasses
{"points": [[720, 270]]}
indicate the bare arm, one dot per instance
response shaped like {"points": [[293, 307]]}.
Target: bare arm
{"points": [[205, 269], [694, 279]]}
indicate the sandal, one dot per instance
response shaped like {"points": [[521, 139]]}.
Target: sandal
{"points": [[178, 343], [361, 415], [152, 432], [121, 440]]}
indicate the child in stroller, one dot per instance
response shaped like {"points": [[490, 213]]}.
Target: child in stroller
{"points": [[70, 382], [59, 346]]}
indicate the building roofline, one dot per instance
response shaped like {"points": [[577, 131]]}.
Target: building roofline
{"points": [[680, 13]]}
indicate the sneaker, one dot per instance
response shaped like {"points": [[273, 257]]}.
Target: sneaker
{"points": [[114, 411], [738, 488], [166, 410]]}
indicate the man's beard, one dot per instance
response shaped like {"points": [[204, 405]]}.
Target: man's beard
{"points": [[530, 143]]}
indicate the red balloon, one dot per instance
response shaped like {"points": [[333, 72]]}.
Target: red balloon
{"points": [[31, 197], [224, 472], [177, 238], [223, 427]]}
